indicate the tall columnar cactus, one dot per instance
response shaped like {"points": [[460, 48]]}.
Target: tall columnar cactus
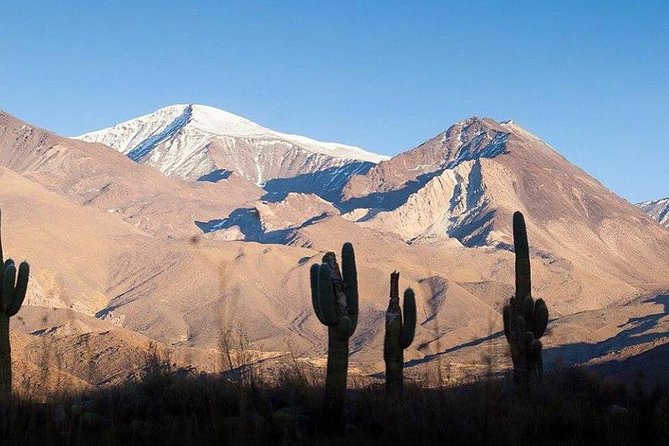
{"points": [[12, 293], [334, 295], [525, 319], [399, 334]]}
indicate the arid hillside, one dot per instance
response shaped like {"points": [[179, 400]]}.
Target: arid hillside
{"points": [[124, 256]]}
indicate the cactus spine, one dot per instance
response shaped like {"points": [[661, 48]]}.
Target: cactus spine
{"points": [[399, 334], [525, 320], [334, 295], [12, 293]]}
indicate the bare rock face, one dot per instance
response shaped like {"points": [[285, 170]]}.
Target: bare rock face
{"points": [[468, 140], [453, 184], [437, 189], [658, 209]]}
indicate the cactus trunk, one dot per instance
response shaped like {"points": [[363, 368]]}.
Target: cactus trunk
{"points": [[399, 335], [393, 353], [5, 356], [337, 373], [521, 374], [334, 295], [12, 292], [525, 319]]}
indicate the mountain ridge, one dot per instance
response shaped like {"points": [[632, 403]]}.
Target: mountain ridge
{"points": [[657, 209], [192, 140]]}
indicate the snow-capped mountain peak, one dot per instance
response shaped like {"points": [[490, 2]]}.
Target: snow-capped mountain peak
{"points": [[191, 140], [658, 209]]}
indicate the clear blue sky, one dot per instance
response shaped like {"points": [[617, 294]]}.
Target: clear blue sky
{"points": [[591, 78]]}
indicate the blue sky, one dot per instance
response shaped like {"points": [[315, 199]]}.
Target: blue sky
{"points": [[590, 78]]}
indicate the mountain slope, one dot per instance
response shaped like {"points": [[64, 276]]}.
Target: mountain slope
{"points": [[461, 188], [94, 175], [466, 183], [658, 209], [191, 141], [184, 293], [161, 257]]}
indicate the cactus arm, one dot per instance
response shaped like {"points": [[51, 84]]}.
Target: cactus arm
{"points": [[540, 318], [315, 296], [409, 322], [8, 281], [521, 246], [400, 330], [326, 297], [350, 276], [525, 320], [395, 286], [3, 269], [20, 290], [313, 282]]}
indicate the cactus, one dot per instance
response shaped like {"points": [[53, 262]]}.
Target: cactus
{"points": [[399, 334], [12, 293], [334, 295], [525, 320]]}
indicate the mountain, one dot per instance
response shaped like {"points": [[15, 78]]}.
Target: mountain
{"points": [[462, 187], [466, 182], [658, 209], [203, 143], [125, 255], [96, 176]]}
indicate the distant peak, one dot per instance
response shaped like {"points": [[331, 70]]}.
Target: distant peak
{"points": [[471, 139], [204, 114], [661, 201], [480, 123], [471, 120], [194, 126]]}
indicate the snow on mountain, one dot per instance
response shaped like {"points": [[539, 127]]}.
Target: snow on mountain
{"points": [[99, 177], [194, 141], [658, 209]]}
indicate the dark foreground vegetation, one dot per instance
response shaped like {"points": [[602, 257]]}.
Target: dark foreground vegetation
{"points": [[166, 407]]}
